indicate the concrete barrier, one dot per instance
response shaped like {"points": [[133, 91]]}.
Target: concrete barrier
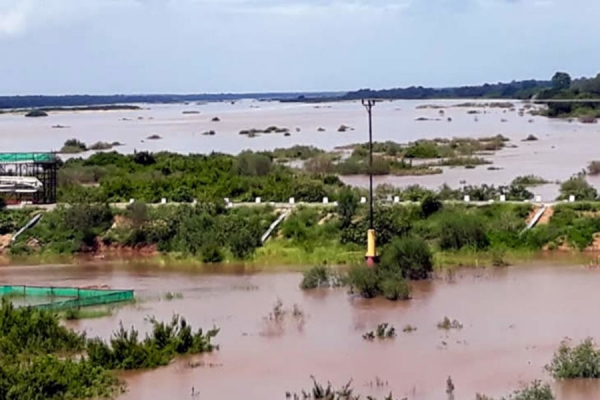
{"points": [[292, 200], [571, 199], [503, 198], [467, 199], [363, 200], [325, 200], [538, 199], [163, 201], [396, 199], [258, 200]]}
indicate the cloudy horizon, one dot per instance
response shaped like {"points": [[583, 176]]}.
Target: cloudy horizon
{"points": [[214, 46]]}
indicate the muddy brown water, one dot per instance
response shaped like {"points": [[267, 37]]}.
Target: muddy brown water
{"points": [[513, 321]]}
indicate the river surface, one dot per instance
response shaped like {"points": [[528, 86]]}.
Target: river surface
{"points": [[513, 321], [563, 148]]}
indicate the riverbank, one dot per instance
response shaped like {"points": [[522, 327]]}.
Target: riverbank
{"points": [[187, 235]]}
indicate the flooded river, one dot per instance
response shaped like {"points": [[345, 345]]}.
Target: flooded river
{"points": [[513, 321], [562, 149]]}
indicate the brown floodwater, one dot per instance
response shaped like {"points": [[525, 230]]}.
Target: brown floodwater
{"points": [[513, 321]]}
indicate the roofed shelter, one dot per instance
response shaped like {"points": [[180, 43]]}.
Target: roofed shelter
{"points": [[28, 177]]}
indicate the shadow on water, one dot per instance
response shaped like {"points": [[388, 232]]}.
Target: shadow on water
{"points": [[513, 320]]}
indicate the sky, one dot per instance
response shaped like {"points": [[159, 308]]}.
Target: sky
{"points": [[215, 46]]}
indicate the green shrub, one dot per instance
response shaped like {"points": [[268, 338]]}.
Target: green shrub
{"points": [[430, 205], [395, 288], [315, 277], [462, 230], [364, 281], [579, 187], [408, 257], [581, 361]]}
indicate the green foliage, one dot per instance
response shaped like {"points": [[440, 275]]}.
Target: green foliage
{"points": [[395, 288], [365, 281], [73, 146], [430, 205], [346, 208], [528, 180], [561, 81], [534, 391], [581, 361], [166, 341], [579, 187], [459, 231], [315, 277], [408, 257]]}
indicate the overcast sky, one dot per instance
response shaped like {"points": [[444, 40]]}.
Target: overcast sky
{"points": [[197, 46]]}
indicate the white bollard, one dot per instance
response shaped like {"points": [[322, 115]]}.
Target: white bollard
{"points": [[502, 197], [194, 202], [396, 199], [292, 200], [258, 200], [571, 199], [363, 200], [131, 201], [335, 203], [467, 199], [226, 200], [491, 201], [163, 201], [325, 200], [538, 199]]}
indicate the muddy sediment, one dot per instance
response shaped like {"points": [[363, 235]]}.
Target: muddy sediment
{"points": [[513, 320]]}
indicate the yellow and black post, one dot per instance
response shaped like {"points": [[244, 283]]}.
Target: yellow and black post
{"points": [[371, 256]]}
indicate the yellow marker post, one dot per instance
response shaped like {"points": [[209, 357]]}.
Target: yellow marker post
{"points": [[371, 255]]}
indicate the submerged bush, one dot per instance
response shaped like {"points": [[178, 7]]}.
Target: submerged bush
{"points": [[167, 340], [320, 277], [581, 361], [533, 391]]}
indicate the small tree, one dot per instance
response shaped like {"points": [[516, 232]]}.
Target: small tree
{"points": [[408, 257], [579, 187], [347, 205], [430, 206], [561, 81]]}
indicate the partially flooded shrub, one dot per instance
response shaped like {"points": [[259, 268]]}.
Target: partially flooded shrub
{"points": [[328, 392], [395, 288], [534, 391], [364, 281], [448, 324], [409, 328], [126, 351], [594, 168], [382, 331], [581, 361], [316, 277]]}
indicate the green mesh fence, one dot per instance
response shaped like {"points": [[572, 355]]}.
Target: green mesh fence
{"points": [[61, 298], [16, 158]]}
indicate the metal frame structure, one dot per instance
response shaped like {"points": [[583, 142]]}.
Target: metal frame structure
{"points": [[28, 177]]}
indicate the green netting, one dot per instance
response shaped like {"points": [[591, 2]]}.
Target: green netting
{"points": [[61, 298], [15, 158]]}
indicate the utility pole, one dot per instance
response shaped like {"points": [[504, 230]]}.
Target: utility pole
{"points": [[371, 256]]}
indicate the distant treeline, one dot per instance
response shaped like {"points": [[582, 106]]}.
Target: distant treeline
{"points": [[513, 90], [21, 102], [577, 91]]}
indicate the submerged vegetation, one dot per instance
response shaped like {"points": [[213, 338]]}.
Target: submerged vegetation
{"points": [[577, 362], [41, 359]]}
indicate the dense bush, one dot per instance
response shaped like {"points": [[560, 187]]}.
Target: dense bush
{"points": [[127, 351], [408, 257], [581, 361], [534, 391], [579, 187], [462, 230]]}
